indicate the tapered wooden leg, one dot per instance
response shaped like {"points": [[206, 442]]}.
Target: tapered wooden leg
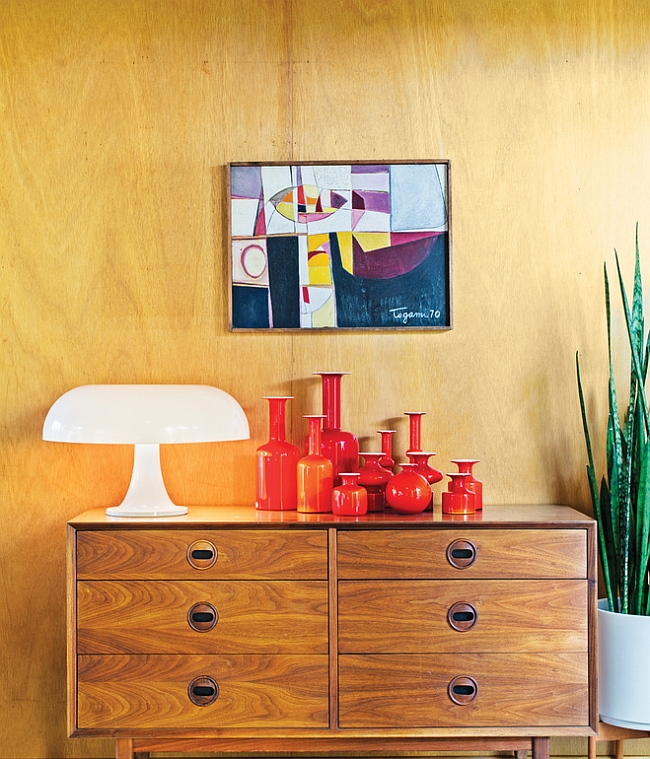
{"points": [[541, 748], [591, 747], [124, 748], [620, 749], [521, 754]]}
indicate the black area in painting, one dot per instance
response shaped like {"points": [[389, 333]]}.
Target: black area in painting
{"points": [[250, 307], [284, 281]]}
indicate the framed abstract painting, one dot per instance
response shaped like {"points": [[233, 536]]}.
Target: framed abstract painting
{"points": [[330, 246]]}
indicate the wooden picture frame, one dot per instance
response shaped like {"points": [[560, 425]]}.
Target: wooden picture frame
{"points": [[330, 246]]}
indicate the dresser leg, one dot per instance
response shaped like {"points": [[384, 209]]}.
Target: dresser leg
{"points": [[521, 754], [541, 748], [124, 748]]}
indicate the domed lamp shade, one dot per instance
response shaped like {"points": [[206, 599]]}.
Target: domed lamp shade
{"points": [[145, 416]]}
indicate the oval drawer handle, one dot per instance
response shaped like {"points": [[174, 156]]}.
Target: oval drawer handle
{"points": [[202, 617], [202, 554], [203, 690], [461, 553], [463, 690], [462, 616]]}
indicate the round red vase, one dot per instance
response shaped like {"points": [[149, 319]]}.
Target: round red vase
{"points": [[430, 474], [276, 463], [340, 447], [473, 485], [458, 500], [314, 473], [408, 492], [374, 477], [349, 498], [387, 461]]}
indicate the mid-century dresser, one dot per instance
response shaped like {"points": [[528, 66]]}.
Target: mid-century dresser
{"points": [[231, 629]]}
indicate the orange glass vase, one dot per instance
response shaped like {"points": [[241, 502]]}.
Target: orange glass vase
{"points": [[276, 463], [374, 477], [314, 473], [408, 492], [472, 484], [458, 499], [340, 447], [349, 499]]}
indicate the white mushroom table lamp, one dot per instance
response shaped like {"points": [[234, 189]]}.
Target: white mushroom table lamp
{"points": [[145, 416]]}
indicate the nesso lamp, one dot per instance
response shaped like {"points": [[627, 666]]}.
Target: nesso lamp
{"points": [[145, 416]]}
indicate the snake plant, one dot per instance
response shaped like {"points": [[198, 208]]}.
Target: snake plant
{"points": [[622, 503]]}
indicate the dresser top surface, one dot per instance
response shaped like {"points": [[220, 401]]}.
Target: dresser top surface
{"points": [[492, 516]]}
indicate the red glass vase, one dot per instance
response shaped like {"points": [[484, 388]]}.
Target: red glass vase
{"points": [[408, 492], [458, 500], [473, 485], [374, 477], [314, 473], [415, 429], [276, 463], [340, 447], [387, 461], [430, 474], [349, 498]]}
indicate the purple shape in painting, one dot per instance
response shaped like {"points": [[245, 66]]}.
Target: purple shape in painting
{"points": [[374, 201], [246, 181]]}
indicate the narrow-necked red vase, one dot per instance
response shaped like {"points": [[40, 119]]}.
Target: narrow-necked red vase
{"points": [[340, 447], [374, 477], [458, 499], [407, 491], [415, 429], [314, 473], [473, 485], [349, 498], [387, 461], [422, 466], [276, 463]]}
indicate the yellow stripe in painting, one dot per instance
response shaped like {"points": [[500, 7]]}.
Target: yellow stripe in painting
{"points": [[314, 242], [345, 246]]}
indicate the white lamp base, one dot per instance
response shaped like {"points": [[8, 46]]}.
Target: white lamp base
{"points": [[147, 495]]}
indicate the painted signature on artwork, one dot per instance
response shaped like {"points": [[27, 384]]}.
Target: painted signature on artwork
{"points": [[404, 316]]}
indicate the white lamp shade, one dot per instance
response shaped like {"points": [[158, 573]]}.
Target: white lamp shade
{"points": [[145, 414]]}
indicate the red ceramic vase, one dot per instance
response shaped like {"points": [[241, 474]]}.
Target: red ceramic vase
{"points": [[458, 500], [387, 461], [431, 475], [408, 492], [349, 498], [415, 429], [473, 485], [314, 473], [340, 447], [276, 463], [374, 477]]}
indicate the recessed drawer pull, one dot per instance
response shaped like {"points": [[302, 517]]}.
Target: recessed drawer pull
{"points": [[202, 617], [202, 554], [203, 690], [463, 690], [462, 616], [461, 553]]}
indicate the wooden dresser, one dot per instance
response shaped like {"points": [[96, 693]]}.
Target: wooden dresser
{"points": [[234, 630]]}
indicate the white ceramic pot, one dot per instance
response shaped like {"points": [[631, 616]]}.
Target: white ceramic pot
{"points": [[623, 668]]}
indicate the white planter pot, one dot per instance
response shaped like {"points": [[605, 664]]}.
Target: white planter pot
{"points": [[624, 668]]}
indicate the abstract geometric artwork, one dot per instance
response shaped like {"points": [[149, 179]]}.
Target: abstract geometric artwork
{"points": [[325, 246]]}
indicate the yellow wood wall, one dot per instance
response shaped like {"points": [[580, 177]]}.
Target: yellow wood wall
{"points": [[117, 119]]}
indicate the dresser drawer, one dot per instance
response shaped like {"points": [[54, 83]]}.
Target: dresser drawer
{"points": [[400, 691], [241, 616], [499, 553], [154, 692], [481, 616], [202, 554]]}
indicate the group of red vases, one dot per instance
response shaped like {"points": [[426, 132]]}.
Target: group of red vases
{"points": [[327, 478]]}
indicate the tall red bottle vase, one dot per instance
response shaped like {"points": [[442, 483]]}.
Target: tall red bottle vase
{"points": [[349, 498], [374, 477], [415, 429], [473, 485], [314, 473], [340, 447], [457, 499], [388, 462], [408, 492], [276, 463], [422, 466]]}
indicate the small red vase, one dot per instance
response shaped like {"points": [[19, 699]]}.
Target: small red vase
{"points": [[276, 463], [314, 473], [473, 485], [349, 498], [408, 492], [415, 429], [458, 500], [340, 447], [387, 447], [431, 475], [374, 477]]}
